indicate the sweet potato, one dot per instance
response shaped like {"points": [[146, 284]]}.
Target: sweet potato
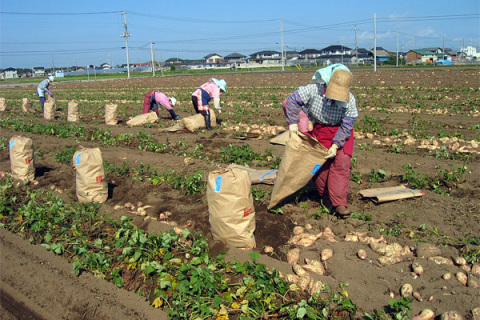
{"points": [[447, 276], [379, 248], [389, 260], [292, 278], [298, 269], [293, 256], [317, 285], [451, 315], [298, 230], [351, 238], [473, 282], [406, 290], [326, 254], [304, 281], [462, 278], [314, 268], [417, 268], [426, 314], [460, 261], [476, 269], [441, 260], [417, 296], [268, 249], [313, 262], [361, 254]]}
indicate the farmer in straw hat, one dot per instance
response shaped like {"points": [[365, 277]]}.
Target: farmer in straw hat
{"points": [[206, 92], [332, 108], [154, 98], [42, 88]]}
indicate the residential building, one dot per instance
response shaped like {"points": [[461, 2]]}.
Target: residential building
{"points": [[213, 58], [266, 57], [39, 72], [10, 73], [235, 58]]}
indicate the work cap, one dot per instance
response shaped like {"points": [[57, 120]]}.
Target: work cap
{"points": [[339, 86], [51, 78], [222, 84], [173, 100], [324, 74]]}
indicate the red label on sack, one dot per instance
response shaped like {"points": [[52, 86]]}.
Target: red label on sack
{"points": [[99, 179], [28, 161], [246, 212]]}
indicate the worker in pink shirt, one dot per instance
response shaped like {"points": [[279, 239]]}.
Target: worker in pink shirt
{"points": [[206, 92], [155, 98]]}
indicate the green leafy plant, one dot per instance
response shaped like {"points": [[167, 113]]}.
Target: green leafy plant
{"points": [[377, 176], [65, 156]]}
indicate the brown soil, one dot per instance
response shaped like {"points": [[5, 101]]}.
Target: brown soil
{"points": [[38, 283]]}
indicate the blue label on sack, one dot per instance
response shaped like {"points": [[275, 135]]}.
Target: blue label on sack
{"points": [[266, 174], [12, 143], [218, 182], [316, 168], [77, 160]]}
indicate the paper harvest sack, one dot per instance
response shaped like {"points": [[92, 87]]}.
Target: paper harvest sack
{"points": [[22, 159], [149, 117], [111, 114], [301, 160], [49, 108], [27, 105], [230, 207], [90, 175], [258, 176], [198, 121], [72, 111], [3, 104]]}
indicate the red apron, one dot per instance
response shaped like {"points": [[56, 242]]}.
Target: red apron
{"points": [[325, 134]]}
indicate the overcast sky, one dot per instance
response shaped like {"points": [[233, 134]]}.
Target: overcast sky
{"points": [[63, 33]]}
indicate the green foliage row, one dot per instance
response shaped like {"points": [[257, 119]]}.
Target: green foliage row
{"points": [[185, 280]]}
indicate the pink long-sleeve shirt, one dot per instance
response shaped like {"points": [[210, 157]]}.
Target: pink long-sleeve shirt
{"points": [[163, 100], [212, 89]]}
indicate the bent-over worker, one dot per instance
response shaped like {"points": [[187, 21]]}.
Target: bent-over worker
{"points": [[206, 92], [42, 88], [154, 98], [332, 107]]}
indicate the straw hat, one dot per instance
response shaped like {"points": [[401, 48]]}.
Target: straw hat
{"points": [[339, 86]]}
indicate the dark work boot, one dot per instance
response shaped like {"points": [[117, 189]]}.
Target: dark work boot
{"points": [[208, 122], [174, 115]]}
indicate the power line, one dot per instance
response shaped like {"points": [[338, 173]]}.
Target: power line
{"points": [[216, 21], [57, 13]]}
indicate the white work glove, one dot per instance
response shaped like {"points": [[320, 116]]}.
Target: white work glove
{"points": [[219, 110], [332, 152], [293, 128]]}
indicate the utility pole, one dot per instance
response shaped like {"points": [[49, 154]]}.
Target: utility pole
{"points": [[443, 50], [281, 32], [397, 48], [125, 35], [53, 67], [153, 62], [356, 47], [375, 42]]}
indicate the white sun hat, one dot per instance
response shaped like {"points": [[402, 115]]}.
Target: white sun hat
{"points": [[173, 100], [222, 84]]}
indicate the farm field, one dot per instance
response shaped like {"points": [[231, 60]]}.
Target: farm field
{"points": [[416, 127]]}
